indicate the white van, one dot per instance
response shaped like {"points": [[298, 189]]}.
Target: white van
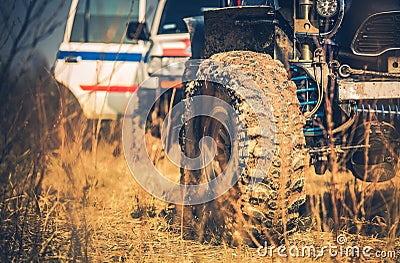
{"points": [[110, 47]]}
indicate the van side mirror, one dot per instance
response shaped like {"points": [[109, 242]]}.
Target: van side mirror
{"points": [[137, 31]]}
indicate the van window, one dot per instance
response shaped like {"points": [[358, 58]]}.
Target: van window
{"points": [[151, 8], [103, 21], [176, 10]]}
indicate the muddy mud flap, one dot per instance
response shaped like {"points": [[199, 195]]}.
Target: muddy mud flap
{"points": [[250, 28]]}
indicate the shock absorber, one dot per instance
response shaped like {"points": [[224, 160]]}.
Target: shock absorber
{"points": [[305, 7], [308, 94], [383, 111]]}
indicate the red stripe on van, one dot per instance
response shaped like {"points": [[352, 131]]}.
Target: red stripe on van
{"points": [[178, 52], [132, 88], [171, 52]]}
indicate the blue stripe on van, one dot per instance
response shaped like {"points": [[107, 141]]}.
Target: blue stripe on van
{"points": [[108, 56]]}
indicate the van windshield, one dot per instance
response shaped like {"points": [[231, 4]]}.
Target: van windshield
{"points": [[176, 10], [103, 21]]}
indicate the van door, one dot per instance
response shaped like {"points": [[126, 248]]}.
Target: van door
{"points": [[96, 61]]}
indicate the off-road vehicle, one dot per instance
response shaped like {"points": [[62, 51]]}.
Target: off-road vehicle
{"points": [[330, 69]]}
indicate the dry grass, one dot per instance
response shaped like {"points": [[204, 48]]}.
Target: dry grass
{"points": [[69, 203], [102, 202], [95, 221]]}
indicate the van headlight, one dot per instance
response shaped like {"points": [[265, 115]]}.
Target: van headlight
{"points": [[327, 8]]}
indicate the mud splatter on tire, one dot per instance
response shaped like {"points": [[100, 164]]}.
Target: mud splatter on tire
{"points": [[248, 214]]}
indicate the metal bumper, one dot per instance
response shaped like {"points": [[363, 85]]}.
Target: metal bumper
{"points": [[368, 90]]}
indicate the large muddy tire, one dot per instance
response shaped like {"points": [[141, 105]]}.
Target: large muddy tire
{"points": [[268, 212]]}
